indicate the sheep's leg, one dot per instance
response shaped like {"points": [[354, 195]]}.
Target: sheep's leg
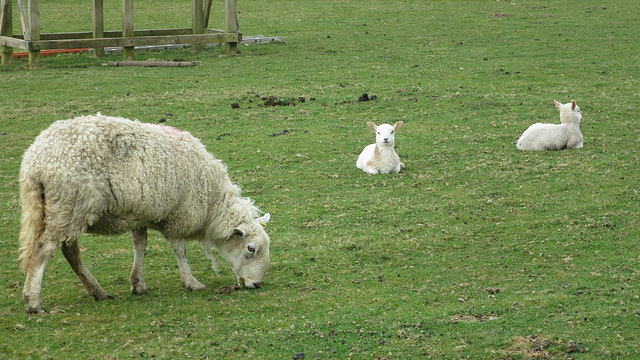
{"points": [[138, 287], [39, 257], [71, 252], [210, 256], [188, 281]]}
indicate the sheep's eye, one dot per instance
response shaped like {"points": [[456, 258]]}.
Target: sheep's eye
{"points": [[378, 132], [392, 131], [251, 249]]}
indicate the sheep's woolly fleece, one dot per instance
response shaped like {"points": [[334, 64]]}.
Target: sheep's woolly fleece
{"points": [[109, 175]]}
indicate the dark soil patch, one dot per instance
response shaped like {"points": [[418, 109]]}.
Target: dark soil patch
{"points": [[365, 97], [271, 101], [283, 132], [227, 289]]}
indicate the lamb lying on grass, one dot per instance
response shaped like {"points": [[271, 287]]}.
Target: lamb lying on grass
{"points": [[381, 158], [109, 175], [565, 135]]}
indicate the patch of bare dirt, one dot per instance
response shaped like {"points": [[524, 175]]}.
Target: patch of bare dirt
{"points": [[227, 289], [475, 317], [497, 14], [538, 347]]}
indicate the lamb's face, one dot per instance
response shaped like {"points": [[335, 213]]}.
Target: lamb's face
{"points": [[385, 135], [577, 114]]}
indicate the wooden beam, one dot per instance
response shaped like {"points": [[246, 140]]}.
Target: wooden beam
{"points": [[24, 20], [152, 63], [130, 41], [207, 13], [197, 14], [98, 25], [127, 28], [14, 43], [5, 13], [6, 29], [34, 31], [231, 25], [116, 34]]}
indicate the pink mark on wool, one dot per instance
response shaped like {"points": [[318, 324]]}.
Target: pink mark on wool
{"points": [[182, 135]]}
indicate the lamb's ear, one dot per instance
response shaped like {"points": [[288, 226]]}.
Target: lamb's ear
{"points": [[557, 104], [372, 126], [398, 125], [264, 219], [573, 104]]}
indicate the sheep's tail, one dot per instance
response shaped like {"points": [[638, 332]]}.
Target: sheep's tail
{"points": [[33, 217]]}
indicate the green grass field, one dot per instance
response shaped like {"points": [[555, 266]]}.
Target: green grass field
{"points": [[476, 250]]}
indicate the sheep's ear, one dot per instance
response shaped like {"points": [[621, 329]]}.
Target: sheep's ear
{"points": [[239, 232], [557, 104], [573, 104], [398, 125], [372, 126], [264, 219]]}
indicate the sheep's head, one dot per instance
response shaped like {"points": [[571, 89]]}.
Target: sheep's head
{"points": [[569, 112], [247, 252], [385, 133]]}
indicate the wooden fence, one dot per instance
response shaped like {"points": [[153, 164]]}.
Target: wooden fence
{"points": [[33, 41]]}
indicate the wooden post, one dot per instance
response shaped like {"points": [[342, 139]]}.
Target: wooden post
{"points": [[197, 14], [230, 25], [207, 13], [127, 28], [98, 25], [6, 29], [34, 32], [24, 20]]}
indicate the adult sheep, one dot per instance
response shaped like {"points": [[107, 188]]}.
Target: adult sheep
{"points": [[109, 175]]}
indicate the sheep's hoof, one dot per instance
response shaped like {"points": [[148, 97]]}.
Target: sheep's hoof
{"points": [[108, 297], [197, 288], [102, 296], [138, 290], [138, 287], [36, 309], [194, 286]]}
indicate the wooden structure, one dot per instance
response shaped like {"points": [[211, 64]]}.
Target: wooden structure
{"points": [[33, 41]]}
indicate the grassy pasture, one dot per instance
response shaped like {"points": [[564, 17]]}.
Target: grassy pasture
{"points": [[477, 250]]}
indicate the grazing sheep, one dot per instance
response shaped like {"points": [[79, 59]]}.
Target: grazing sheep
{"points": [[381, 158], [566, 135], [109, 175]]}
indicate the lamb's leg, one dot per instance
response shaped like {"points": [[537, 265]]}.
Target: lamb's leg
{"points": [[574, 142], [138, 287], [371, 170], [188, 281], [39, 257], [71, 252]]}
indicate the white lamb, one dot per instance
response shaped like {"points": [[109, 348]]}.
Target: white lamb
{"points": [[110, 175], [566, 135], [381, 158]]}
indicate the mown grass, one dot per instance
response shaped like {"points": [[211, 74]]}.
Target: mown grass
{"points": [[477, 250]]}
